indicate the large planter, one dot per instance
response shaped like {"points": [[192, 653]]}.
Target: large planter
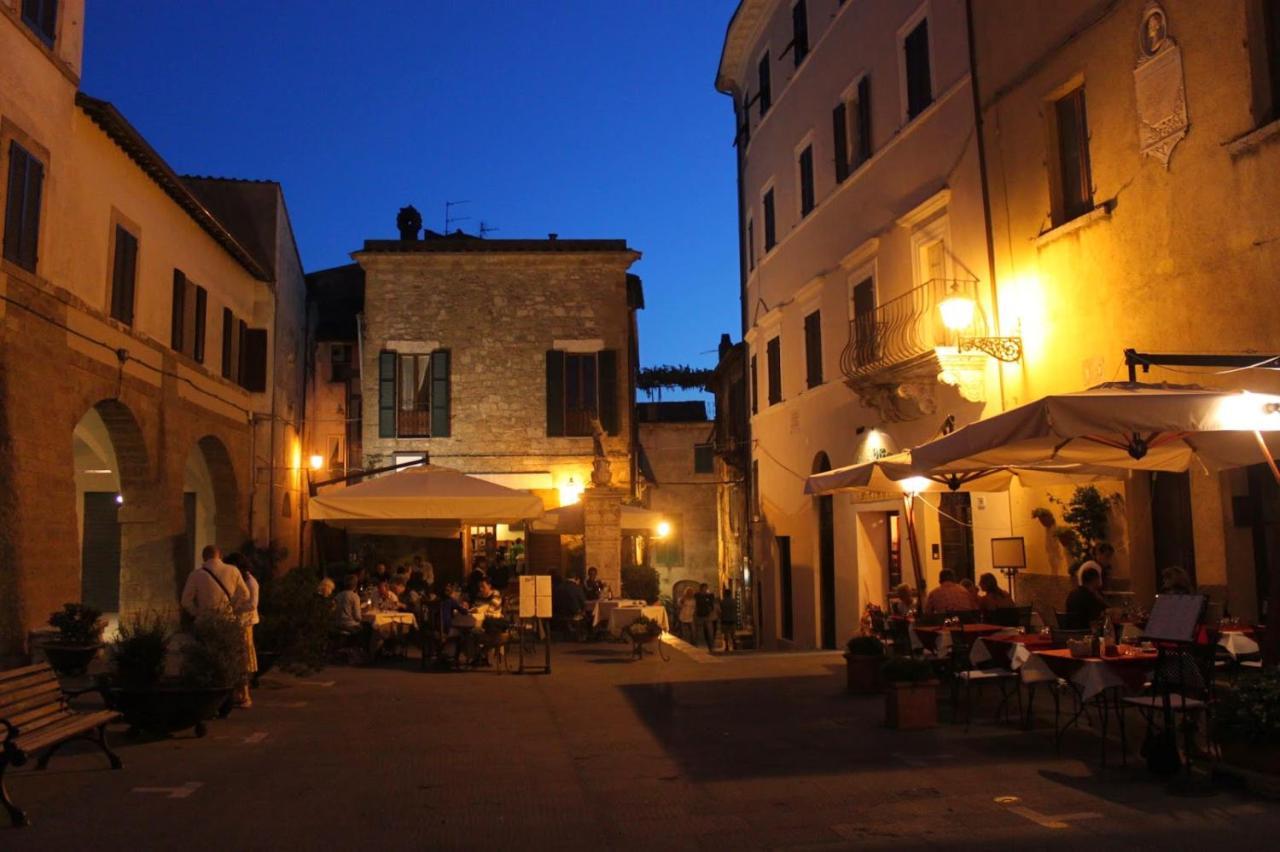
{"points": [[864, 673], [169, 709], [912, 706], [70, 660]]}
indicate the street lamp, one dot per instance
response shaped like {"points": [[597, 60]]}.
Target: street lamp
{"points": [[957, 312], [317, 461]]}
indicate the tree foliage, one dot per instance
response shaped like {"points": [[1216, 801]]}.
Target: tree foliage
{"points": [[653, 380]]}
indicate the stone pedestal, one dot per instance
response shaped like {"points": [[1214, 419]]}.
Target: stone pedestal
{"points": [[602, 534]]}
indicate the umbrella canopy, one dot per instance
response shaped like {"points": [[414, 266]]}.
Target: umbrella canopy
{"points": [[1118, 425], [895, 474], [569, 520], [421, 501]]}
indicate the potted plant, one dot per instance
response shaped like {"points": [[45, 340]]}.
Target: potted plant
{"points": [[640, 582], [294, 624], [1246, 723], [78, 640], [213, 659], [864, 659], [1044, 516], [641, 632], [911, 702]]}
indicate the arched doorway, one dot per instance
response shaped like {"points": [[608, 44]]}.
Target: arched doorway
{"points": [[826, 558], [110, 469], [208, 505]]}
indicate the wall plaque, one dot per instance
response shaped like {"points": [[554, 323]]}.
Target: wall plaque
{"points": [[1159, 87]]}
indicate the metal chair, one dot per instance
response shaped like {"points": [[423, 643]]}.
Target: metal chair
{"points": [[966, 676], [1182, 687]]}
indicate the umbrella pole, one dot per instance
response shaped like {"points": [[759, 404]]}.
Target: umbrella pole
{"points": [[908, 503]]}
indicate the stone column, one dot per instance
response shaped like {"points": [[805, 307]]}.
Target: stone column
{"points": [[602, 520]]}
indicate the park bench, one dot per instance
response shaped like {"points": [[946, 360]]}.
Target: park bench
{"points": [[34, 715]]}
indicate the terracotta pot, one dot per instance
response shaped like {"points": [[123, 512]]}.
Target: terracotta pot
{"points": [[912, 706], [863, 673]]}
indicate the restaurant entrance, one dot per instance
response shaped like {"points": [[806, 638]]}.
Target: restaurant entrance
{"points": [[955, 521]]}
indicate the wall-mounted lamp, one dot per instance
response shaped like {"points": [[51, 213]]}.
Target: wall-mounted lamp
{"points": [[664, 529], [957, 312], [317, 461]]}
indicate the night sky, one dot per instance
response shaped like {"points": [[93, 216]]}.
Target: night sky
{"points": [[589, 118]]}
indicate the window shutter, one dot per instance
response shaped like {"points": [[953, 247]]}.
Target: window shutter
{"points": [[840, 139], [49, 19], [799, 32], [773, 351], [919, 82], [189, 308], [813, 349], [863, 151], [755, 387], [608, 377], [124, 273], [179, 296], [229, 348], [202, 303], [440, 393], [31, 214], [254, 359], [765, 95], [555, 393], [386, 394], [14, 203]]}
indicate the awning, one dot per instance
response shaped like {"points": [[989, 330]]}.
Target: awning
{"points": [[569, 520], [895, 475]]}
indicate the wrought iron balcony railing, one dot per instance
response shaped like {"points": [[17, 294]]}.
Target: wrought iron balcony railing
{"points": [[907, 327]]}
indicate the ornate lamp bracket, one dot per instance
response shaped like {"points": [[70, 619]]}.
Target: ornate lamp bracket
{"points": [[1006, 349]]}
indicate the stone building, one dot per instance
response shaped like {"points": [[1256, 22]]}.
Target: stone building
{"points": [[142, 331], [732, 468], [494, 357], [679, 475]]}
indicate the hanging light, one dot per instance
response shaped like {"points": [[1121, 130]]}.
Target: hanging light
{"points": [[664, 529], [957, 312], [914, 484], [570, 492]]}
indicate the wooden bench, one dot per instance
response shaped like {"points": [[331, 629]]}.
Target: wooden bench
{"points": [[34, 715]]}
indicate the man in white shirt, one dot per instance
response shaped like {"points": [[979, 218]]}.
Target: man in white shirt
{"points": [[215, 585]]}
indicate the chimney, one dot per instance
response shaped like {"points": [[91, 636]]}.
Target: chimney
{"points": [[552, 237], [409, 223], [725, 345]]}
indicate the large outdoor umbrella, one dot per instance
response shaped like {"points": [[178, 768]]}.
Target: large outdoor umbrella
{"points": [[422, 500], [569, 520]]}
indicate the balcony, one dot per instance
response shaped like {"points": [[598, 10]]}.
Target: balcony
{"points": [[898, 353], [413, 423]]}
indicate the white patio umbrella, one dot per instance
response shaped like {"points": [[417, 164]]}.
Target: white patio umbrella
{"points": [[570, 520], [1117, 425], [896, 474]]}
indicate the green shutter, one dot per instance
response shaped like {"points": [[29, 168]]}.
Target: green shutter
{"points": [[607, 373], [386, 394], [440, 393], [555, 393]]}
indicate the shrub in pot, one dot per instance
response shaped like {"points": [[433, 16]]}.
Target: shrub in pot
{"points": [[911, 702], [1246, 722], [78, 640], [864, 659], [294, 623], [640, 582]]}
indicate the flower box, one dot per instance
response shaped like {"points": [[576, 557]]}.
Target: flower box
{"points": [[912, 705]]}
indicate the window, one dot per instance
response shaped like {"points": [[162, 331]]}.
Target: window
{"points": [[1073, 180], [253, 359], [919, 81], [413, 401], [230, 346], [581, 387], [784, 581], [22, 207], [804, 164], [743, 115], [755, 387], [770, 232], [765, 94], [813, 349], [751, 245], [704, 458], [42, 17], [799, 32], [773, 354], [408, 459], [755, 489], [341, 362], [851, 130], [1264, 56], [124, 275], [187, 327], [669, 552], [866, 347], [414, 394]]}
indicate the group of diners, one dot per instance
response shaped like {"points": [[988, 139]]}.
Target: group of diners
{"points": [[952, 595]]}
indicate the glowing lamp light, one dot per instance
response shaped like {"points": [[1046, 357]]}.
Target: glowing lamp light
{"points": [[119, 499], [1250, 412], [664, 529], [957, 312], [570, 492], [317, 461], [914, 484]]}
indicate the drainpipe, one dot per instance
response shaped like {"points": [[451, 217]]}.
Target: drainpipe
{"points": [[271, 441]]}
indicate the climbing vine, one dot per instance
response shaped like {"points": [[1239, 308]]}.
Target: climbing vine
{"points": [[653, 380]]}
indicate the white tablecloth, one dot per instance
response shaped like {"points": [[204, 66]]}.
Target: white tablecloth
{"points": [[621, 616], [390, 623], [601, 609], [1237, 643]]}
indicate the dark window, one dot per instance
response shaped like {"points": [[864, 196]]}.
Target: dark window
{"points": [[864, 322], [784, 581], [860, 135], [253, 364], [580, 388], [202, 307], [755, 387], [840, 141], [22, 208], [42, 17], [744, 123], [1264, 54], [187, 325], [813, 349], [919, 81], [751, 245], [386, 394], [773, 352], [230, 346], [755, 489], [766, 92], [799, 32], [703, 458], [805, 164], [176, 320], [1074, 179], [341, 362], [124, 275], [441, 393], [770, 232]]}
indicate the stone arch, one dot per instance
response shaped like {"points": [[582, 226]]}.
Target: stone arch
{"points": [[821, 463], [209, 505]]}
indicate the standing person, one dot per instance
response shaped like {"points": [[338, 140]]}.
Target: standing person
{"points": [[685, 615], [729, 620], [249, 619], [217, 587], [704, 614]]}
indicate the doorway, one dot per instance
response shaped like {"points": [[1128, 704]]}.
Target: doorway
{"points": [[826, 558], [1171, 524], [893, 546], [955, 521], [100, 551], [784, 581]]}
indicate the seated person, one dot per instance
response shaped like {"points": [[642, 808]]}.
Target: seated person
{"points": [[903, 601], [451, 605], [993, 597], [474, 578], [385, 600], [404, 604], [950, 596], [1085, 604], [487, 603], [1174, 580], [594, 586], [346, 609]]}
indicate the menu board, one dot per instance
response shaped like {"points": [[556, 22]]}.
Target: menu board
{"points": [[1174, 617], [535, 596]]}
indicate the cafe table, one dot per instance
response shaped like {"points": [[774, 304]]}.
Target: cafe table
{"points": [[1238, 641], [389, 625], [622, 616], [602, 608], [938, 638]]}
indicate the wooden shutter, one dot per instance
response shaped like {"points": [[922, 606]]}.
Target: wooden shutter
{"points": [[189, 308], [813, 349], [230, 346], [799, 32], [919, 82], [862, 151], [124, 275], [755, 387], [766, 91], [770, 233], [1073, 156], [608, 399], [253, 356], [22, 208], [555, 393], [840, 140], [179, 297], [440, 393], [806, 181], [386, 394], [202, 303], [773, 352]]}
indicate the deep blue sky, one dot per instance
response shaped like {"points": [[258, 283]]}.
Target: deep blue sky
{"points": [[590, 118]]}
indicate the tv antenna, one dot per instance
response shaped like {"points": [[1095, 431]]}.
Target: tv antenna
{"points": [[449, 218], [486, 228]]}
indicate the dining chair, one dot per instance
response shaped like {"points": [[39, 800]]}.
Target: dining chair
{"points": [[965, 677], [1182, 688]]}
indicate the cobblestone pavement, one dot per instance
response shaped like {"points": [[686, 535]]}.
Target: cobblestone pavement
{"points": [[754, 751]]}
